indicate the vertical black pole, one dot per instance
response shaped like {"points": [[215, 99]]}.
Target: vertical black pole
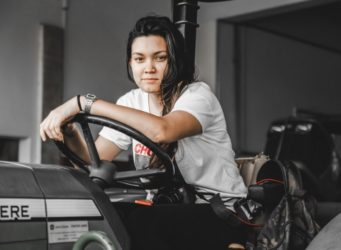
{"points": [[185, 18]]}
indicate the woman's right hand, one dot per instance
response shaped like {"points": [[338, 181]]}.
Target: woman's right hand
{"points": [[51, 125]]}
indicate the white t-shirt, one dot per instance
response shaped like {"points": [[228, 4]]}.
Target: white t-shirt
{"points": [[205, 160]]}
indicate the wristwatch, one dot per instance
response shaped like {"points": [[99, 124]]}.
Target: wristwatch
{"points": [[89, 100]]}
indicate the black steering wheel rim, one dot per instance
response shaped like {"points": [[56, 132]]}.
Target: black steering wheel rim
{"points": [[85, 119]]}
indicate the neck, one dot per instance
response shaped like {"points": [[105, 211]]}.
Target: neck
{"points": [[155, 104]]}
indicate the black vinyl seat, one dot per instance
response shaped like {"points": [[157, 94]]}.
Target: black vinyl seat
{"points": [[308, 142]]}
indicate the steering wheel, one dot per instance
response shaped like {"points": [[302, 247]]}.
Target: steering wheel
{"points": [[104, 172]]}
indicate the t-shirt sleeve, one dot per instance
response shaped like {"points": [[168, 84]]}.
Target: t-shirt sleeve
{"points": [[121, 140], [196, 100]]}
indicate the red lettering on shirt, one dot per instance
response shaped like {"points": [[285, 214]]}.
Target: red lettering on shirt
{"points": [[141, 149]]}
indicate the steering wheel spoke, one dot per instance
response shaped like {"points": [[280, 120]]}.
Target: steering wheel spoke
{"points": [[74, 158], [94, 157]]}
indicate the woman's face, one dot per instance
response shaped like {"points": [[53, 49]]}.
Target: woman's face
{"points": [[149, 57]]}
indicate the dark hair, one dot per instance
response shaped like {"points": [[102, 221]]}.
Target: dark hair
{"points": [[178, 73]]}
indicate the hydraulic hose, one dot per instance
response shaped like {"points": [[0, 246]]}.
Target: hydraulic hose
{"points": [[93, 236]]}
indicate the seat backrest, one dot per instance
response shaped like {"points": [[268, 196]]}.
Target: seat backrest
{"points": [[304, 140], [308, 144], [250, 166]]}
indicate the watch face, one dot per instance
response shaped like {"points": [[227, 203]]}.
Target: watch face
{"points": [[90, 96]]}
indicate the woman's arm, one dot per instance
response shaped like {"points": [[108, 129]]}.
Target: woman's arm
{"points": [[171, 127]]}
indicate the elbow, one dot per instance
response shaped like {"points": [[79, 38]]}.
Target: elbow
{"points": [[159, 134]]}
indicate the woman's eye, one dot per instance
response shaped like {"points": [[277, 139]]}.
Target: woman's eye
{"points": [[161, 58], [138, 59]]}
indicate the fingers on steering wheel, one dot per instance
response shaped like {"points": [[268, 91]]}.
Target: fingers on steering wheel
{"points": [[42, 132], [50, 129], [48, 132], [56, 129], [57, 133]]}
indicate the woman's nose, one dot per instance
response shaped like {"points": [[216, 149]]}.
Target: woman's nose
{"points": [[150, 67]]}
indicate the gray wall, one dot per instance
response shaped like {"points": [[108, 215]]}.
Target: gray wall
{"points": [[297, 64], [280, 74], [209, 13], [20, 94]]}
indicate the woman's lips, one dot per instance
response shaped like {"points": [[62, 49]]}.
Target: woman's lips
{"points": [[150, 79]]}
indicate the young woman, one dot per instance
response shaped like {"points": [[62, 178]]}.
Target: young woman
{"points": [[182, 115]]}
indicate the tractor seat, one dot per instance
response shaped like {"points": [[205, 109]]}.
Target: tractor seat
{"points": [[308, 144]]}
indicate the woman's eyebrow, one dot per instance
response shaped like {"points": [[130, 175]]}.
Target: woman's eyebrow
{"points": [[161, 51], [155, 53]]}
